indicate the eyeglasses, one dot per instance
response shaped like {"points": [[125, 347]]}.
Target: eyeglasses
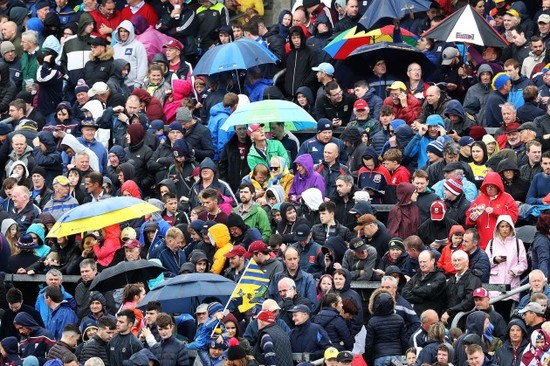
{"points": [[274, 168], [339, 92]]}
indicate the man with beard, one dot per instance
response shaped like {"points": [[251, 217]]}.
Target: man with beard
{"points": [[260, 252], [106, 19], [538, 50], [344, 201], [477, 95], [251, 212]]}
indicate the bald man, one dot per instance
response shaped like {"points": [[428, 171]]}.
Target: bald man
{"points": [[9, 33], [435, 103], [330, 169]]}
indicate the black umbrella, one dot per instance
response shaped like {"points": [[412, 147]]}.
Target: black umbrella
{"points": [[124, 273], [397, 56], [466, 25], [391, 9]]}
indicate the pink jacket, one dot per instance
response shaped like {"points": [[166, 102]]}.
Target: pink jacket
{"points": [[516, 258]]}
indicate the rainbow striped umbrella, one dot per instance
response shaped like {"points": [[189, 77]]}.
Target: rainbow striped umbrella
{"points": [[386, 34], [346, 42]]}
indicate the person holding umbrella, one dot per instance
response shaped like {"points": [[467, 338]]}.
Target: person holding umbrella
{"points": [[262, 149]]}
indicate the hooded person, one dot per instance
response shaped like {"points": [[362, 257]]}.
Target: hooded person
{"points": [[221, 186], [247, 235], [373, 177], [516, 186], [477, 323], [48, 157], [513, 348], [404, 218], [309, 104], [10, 346], [35, 340], [299, 62], [322, 32], [78, 51], [305, 178], [453, 244], [181, 89], [132, 50], [151, 38], [182, 168], [153, 106], [139, 153], [492, 202], [117, 81], [456, 119], [220, 237], [71, 146], [283, 178], [286, 227], [538, 350], [491, 145]]}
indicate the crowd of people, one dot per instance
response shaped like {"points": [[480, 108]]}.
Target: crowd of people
{"points": [[98, 99]]}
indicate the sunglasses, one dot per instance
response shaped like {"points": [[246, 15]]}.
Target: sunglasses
{"points": [[274, 168]]}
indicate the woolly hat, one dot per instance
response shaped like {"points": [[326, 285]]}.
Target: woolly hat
{"points": [[4, 128], [175, 126], [477, 132], [183, 114], [81, 87], [39, 170], [454, 186], [436, 147], [396, 243], [499, 80], [10, 345], [6, 46], [309, 3], [181, 149], [214, 307], [26, 242], [235, 350]]}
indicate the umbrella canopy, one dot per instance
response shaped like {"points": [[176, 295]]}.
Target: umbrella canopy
{"points": [[273, 110], [346, 42], [397, 56], [183, 293], [239, 55], [385, 34], [124, 273], [97, 215], [466, 25], [393, 9]]}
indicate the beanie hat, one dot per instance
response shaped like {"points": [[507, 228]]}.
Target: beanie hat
{"points": [[175, 126], [81, 87], [183, 114], [98, 296], [309, 3], [436, 147], [6, 46], [181, 149], [477, 132], [47, 218], [10, 345], [500, 80], [39, 170], [136, 132], [396, 243], [235, 350], [4, 128], [453, 185], [214, 307]]}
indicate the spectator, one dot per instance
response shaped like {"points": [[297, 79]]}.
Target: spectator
{"points": [[540, 253], [273, 346], [330, 319], [35, 340], [123, 344], [169, 350], [502, 85], [97, 345], [299, 73], [131, 49], [66, 346], [515, 343], [479, 261], [405, 106]]}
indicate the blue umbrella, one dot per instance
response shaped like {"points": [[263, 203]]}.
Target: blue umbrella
{"points": [[272, 110], [183, 293], [393, 9], [239, 55]]}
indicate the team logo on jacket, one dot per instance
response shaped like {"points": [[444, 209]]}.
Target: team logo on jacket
{"points": [[128, 52]]}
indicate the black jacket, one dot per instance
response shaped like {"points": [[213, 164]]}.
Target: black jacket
{"points": [[199, 139], [337, 328], [426, 293], [95, 347], [299, 62], [161, 160], [460, 293], [101, 68], [320, 234], [386, 331], [232, 167], [456, 210], [506, 355], [171, 352], [8, 90]]}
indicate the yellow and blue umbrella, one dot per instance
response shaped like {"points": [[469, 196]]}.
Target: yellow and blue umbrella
{"points": [[272, 110], [97, 215]]}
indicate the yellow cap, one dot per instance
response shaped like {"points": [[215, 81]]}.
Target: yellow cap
{"points": [[397, 85], [331, 352]]}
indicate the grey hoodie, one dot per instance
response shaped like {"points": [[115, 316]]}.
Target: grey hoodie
{"points": [[132, 51], [71, 141]]}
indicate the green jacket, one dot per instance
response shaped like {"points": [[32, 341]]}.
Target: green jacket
{"points": [[257, 217], [29, 67], [274, 148]]}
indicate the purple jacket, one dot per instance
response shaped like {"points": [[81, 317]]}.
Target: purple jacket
{"points": [[311, 179]]}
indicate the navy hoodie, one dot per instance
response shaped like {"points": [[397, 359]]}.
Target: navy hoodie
{"points": [[38, 342]]}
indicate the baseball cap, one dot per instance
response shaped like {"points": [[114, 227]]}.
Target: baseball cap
{"points": [[543, 18], [330, 353], [448, 55], [480, 292], [173, 44], [357, 244], [499, 80], [535, 307], [361, 208], [98, 41], [324, 67], [237, 250], [452, 166], [512, 127], [61, 179], [364, 220], [437, 210], [360, 104], [98, 88], [267, 316], [397, 85], [300, 309], [466, 140], [513, 12], [202, 308], [132, 243], [257, 246], [302, 232], [271, 305], [128, 233], [253, 128], [345, 356]]}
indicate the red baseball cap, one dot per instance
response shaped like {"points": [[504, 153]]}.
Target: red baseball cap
{"points": [[360, 104], [253, 128], [237, 250], [267, 316], [173, 44], [480, 292]]}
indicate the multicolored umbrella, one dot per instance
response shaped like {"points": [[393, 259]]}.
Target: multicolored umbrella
{"points": [[386, 34], [346, 42]]}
